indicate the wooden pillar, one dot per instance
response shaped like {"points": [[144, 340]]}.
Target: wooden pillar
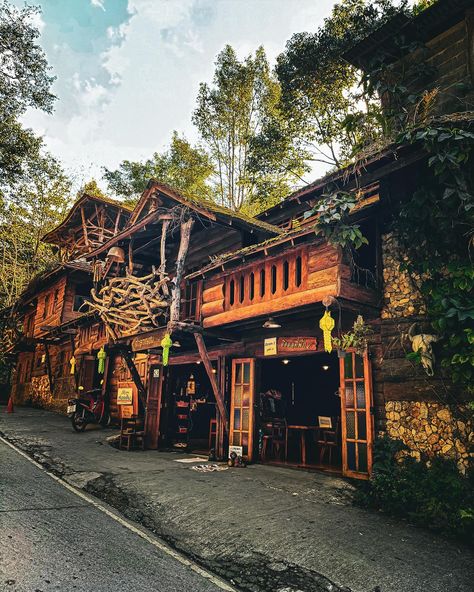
{"points": [[220, 435], [48, 367], [153, 408], [186, 228], [212, 378], [142, 396]]}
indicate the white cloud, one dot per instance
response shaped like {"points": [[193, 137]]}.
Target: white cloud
{"points": [[98, 4]]}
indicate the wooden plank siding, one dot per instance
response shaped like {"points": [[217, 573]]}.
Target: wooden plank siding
{"points": [[301, 276]]}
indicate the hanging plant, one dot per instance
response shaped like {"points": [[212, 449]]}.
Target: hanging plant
{"points": [[356, 339]]}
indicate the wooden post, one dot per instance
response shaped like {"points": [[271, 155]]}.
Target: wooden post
{"points": [[152, 419], [212, 378], [127, 356], [84, 226], [186, 228], [220, 431], [48, 367], [164, 228]]}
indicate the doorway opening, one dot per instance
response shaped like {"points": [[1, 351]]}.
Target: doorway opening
{"points": [[192, 424], [300, 411]]}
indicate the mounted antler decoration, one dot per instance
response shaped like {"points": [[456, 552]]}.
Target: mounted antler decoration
{"points": [[129, 304], [422, 343]]}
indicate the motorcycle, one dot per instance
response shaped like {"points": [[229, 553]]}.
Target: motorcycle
{"points": [[88, 407]]}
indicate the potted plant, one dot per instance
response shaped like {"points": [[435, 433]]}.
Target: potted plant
{"points": [[356, 339]]}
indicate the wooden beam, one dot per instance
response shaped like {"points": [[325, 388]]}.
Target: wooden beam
{"points": [[84, 226], [186, 228], [212, 378], [164, 228], [48, 366], [142, 394]]}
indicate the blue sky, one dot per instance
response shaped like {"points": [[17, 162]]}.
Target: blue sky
{"points": [[128, 70]]}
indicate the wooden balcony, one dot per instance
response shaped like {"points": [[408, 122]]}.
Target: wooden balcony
{"points": [[298, 278]]}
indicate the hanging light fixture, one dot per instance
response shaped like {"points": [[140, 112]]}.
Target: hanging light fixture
{"points": [[285, 361], [176, 344], [270, 323], [325, 367]]}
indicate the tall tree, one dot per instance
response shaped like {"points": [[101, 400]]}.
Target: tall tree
{"points": [[231, 114], [24, 82], [330, 113], [185, 167], [28, 210]]}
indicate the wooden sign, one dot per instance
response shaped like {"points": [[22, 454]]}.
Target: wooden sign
{"points": [[270, 346], [125, 396], [286, 345], [147, 340], [126, 411]]}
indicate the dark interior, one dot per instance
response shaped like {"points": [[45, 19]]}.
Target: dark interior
{"points": [[309, 388]]}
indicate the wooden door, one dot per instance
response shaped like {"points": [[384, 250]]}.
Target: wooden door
{"points": [[356, 415], [241, 407], [155, 382]]}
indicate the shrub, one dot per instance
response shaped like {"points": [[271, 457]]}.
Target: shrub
{"points": [[434, 494]]}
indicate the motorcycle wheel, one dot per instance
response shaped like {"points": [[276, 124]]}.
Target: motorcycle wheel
{"points": [[78, 421], [106, 420]]}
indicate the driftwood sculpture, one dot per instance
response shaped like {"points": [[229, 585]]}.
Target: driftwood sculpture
{"points": [[131, 304]]}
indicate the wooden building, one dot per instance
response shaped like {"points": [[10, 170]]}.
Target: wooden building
{"points": [[238, 302]]}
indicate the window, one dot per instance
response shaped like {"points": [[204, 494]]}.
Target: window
{"points": [[190, 301], [231, 292], [298, 272], [273, 279], [242, 289], [47, 300], [81, 295], [252, 286], [262, 283], [286, 275]]}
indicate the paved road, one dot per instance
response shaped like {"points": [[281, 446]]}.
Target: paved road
{"points": [[51, 539]]}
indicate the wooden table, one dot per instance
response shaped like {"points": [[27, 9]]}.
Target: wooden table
{"points": [[302, 429]]}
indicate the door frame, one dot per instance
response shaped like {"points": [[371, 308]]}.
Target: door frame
{"points": [[369, 416], [251, 361]]}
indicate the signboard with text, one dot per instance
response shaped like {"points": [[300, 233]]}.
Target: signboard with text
{"points": [[125, 396], [286, 345], [270, 346]]}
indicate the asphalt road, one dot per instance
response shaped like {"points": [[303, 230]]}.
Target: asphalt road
{"points": [[52, 539]]}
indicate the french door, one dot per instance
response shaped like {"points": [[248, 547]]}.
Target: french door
{"points": [[356, 415], [241, 407]]}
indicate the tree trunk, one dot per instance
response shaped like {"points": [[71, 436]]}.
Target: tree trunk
{"points": [[186, 228]]}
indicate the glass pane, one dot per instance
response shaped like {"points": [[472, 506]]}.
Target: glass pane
{"points": [[350, 424], [349, 391], [362, 449], [348, 366], [361, 426], [359, 366], [237, 395], [246, 373], [245, 443], [237, 419], [236, 439], [238, 373], [246, 397], [351, 456], [360, 394], [245, 419]]}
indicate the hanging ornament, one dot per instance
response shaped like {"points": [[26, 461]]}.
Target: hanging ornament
{"points": [[72, 361], [101, 355], [166, 343], [326, 324]]}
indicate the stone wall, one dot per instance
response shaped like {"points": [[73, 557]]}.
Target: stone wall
{"points": [[430, 428], [401, 297]]}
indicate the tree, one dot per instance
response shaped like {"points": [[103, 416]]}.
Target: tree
{"points": [[231, 115], [331, 114], [92, 189], [24, 82], [30, 208], [184, 167]]}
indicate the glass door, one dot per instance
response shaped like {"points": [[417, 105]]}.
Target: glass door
{"points": [[241, 408], [356, 415]]}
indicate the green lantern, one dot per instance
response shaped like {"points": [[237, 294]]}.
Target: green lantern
{"points": [[101, 355], [166, 345]]}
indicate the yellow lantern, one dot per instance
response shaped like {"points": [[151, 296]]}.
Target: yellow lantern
{"points": [[326, 324]]}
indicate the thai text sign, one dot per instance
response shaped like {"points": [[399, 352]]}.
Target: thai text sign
{"points": [[286, 345], [270, 346], [148, 340], [125, 396]]}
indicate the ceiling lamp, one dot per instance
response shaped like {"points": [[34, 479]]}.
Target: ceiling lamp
{"points": [[285, 361], [325, 367], [270, 323], [176, 344]]}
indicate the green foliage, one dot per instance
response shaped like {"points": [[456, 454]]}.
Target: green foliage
{"points": [[334, 222], [357, 338], [331, 116], [238, 119], [24, 82], [433, 495], [435, 227], [183, 167], [92, 189]]}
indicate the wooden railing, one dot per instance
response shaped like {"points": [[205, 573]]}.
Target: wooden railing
{"points": [[267, 280]]}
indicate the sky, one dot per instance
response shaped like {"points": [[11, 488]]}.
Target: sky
{"points": [[128, 71]]}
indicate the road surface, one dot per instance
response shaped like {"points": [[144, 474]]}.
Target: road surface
{"points": [[54, 539]]}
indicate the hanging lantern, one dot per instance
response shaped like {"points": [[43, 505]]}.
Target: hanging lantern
{"points": [[72, 362], [166, 343], [101, 355], [326, 324]]}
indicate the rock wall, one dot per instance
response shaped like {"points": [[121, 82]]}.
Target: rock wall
{"points": [[429, 429], [401, 296]]}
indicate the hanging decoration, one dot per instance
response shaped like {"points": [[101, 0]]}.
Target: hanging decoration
{"points": [[72, 362], [166, 344], [101, 355], [326, 324]]}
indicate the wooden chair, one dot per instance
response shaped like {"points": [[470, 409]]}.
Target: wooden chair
{"points": [[328, 440], [212, 432], [274, 441], [132, 434]]}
